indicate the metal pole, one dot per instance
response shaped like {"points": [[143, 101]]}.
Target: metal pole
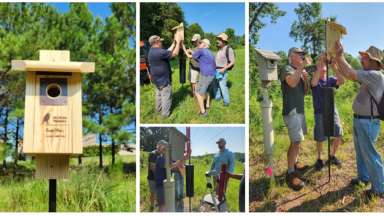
{"points": [[52, 195], [329, 137], [188, 132]]}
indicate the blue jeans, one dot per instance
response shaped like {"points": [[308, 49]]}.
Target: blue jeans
{"points": [[369, 164], [221, 88], [179, 192]]}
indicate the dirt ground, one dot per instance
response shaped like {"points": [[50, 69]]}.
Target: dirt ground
{"points": [[269, 195]]}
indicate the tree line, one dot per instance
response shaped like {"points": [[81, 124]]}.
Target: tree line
{"points": [[160, 18]]}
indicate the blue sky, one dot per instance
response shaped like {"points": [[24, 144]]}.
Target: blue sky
{"points": [[362, 20], [102, 10], [203, 139], [216, 17]]}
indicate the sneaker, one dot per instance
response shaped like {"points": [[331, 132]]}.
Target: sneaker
{"points": [[226, 104], [300, 167], [334, 161], [294, 182], [319, 164], [205, 114], [357, 181]]}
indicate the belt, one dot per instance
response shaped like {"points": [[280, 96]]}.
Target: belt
{"points": [[365, 116]]}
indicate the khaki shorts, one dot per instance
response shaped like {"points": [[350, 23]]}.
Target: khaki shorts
{"points": [[204, 84], [296, 125], [194, 76]]}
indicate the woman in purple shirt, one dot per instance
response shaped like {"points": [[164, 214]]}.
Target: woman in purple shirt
{"points": [[207, 73]]}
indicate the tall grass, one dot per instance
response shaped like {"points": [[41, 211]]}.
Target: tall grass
{"points": [[201, 164], [88, 189], [184, 107]]}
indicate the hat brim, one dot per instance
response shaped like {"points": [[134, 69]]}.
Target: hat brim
{"points": [[372, 58], [221, 38]]}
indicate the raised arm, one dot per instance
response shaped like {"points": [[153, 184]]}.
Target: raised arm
{"points": [[294, 78], [186, 52], [342, 65], [320, 67], [340, 78]]}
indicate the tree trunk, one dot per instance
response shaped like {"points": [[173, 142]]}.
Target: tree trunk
{"points": [[113, 151], [100, 142], [6, 125], [257, 13], [17, 141]]}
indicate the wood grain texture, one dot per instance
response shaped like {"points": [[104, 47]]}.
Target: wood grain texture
{"points": [[52, 129], [52, 166], [48, 66]]}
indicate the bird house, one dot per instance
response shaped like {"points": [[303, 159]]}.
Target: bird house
{"points": [[53, 109], [177, 142], [179, 32], [267, 64], [334, 32]]}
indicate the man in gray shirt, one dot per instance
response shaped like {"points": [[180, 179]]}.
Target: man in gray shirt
{"points": [[225, 60], [366, 122], [294, 86]]}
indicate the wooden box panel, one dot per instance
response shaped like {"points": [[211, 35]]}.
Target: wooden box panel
{"points": [[177, 142], [56, 126]]}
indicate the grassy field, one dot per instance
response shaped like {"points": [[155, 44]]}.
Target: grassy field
{"points": [[202, 164], [88, 189], [184, 107], [273, 194]]}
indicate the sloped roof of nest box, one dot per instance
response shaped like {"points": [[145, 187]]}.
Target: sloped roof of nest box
{"points": [[268, 54], [53, 61]]}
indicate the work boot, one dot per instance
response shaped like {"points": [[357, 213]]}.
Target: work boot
{"points": [[294, 182], [319, 164], [300, 166], [334, 161], [357, 181]]}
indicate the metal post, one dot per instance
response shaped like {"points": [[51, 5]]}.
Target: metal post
{"points": [[52, 195], [169, 185], [188, 133], [267, 128], [327, 72]]}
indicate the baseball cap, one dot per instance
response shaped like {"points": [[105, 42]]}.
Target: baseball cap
{"points": [[221, 140], [196, 37], [154, 38]]}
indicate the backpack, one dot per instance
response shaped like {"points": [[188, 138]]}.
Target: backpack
{"points": [[227, 56], [379, 105]]}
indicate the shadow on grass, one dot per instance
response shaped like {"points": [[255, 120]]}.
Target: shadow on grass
{"points": [[329, 198], [179, 96]]}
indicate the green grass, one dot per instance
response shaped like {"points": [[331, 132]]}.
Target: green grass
{"points": [[267, 195], [88, 188], [185, 109], [202, 164]]}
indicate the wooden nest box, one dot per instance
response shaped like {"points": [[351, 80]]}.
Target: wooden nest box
{"points": [[53, 110], [267, 64], [334, 32]]}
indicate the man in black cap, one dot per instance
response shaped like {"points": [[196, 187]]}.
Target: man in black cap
{"points": [[294, 86], [160, 69]]}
